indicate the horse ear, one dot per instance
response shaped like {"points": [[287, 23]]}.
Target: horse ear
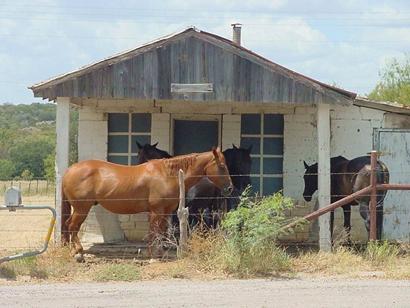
{"points": [[139, 145], [306, 165], [215, 152], [155, 145], [234, 146]]}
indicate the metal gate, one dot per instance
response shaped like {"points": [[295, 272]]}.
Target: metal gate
{"points": [[394, 145]]}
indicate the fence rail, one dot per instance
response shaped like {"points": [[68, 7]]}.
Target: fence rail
{"points": [[29, 187]]}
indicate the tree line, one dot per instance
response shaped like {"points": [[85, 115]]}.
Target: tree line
{"points": [[27, 132], [27, 141]]}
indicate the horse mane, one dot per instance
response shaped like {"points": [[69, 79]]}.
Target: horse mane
{"points": [[183, 162], [164, 153]]}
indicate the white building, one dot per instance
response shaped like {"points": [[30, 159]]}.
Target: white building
{"points": [[204, 89]]}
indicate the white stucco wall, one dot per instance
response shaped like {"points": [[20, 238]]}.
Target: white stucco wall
{"points": [[136, 226], [100, 225], [351, 136], [231, 130]]}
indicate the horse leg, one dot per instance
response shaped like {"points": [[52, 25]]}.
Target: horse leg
{"points": [[379, 221], [157, 224], [332, 221], [346, 221], [364, 212], [80, 213]]}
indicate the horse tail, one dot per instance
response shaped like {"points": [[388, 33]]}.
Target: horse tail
{"points": [[65, 218]]}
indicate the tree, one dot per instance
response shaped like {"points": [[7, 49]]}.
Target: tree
{"points": [[7, 169], [30, 155], [49, 167], [26, 175], [394, 85]]}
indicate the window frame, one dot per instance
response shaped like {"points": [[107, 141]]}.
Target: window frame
{"points": [[261, 136], [130, 134]]}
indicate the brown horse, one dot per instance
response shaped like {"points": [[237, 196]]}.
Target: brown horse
{"points": [[150, 187]]}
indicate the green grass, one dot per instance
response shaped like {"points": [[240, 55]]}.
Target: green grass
{"points": [[23, 267], [381, 253], [117, 272]]}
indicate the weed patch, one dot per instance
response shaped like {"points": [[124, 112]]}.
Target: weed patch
{"points": [[117, 272], [381, 253], [246, 244]]}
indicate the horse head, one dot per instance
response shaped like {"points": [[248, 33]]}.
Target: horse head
{"points": [[239, 163], [310, 178], [147, 152], [217, 172]]}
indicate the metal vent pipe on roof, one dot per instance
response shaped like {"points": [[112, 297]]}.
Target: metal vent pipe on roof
{"points": [[236, 33]]}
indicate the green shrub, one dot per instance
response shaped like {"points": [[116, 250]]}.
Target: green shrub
{"points": [[250, 245]]}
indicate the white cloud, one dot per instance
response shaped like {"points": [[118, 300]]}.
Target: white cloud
{"points": [[342, 41]]}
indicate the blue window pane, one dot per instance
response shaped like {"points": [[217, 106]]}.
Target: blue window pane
{"points": [[272, 185], [141, 140], [255, 142], [251, 124], [255, 165], [273, 146], [118, 122], [273, 124], [141, 122], [117, 144], [272, 165], [255, 182], [122, 160], [134, 160]]}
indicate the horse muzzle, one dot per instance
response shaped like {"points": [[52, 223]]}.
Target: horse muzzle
{"points": [[307, 198], [227, 191]]}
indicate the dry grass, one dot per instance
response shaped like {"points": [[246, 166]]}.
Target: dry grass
{"points": [[57, 265], [214, 254], [24, 229], [117, 272], [378, 260]]}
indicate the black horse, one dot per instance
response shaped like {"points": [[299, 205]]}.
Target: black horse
{"points": [[205, 199], [347, 177]]}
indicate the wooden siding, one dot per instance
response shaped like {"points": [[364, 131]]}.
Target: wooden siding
{"points": [[237, 76]]}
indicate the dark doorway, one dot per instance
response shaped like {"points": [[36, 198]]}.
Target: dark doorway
{"points": [[191, 136]]}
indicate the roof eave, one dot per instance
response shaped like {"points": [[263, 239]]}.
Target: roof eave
{"points": [[383, 106]]}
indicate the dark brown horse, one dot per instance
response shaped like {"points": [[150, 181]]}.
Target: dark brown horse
{"points": [[150, 187], [347, 177]]}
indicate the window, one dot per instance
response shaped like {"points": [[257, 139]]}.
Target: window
{"points": [[124, 129], [264, 132]]}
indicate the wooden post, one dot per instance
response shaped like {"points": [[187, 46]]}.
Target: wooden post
{"points": [[323, 139], [62, 149], [183, 213], [373, 196]]}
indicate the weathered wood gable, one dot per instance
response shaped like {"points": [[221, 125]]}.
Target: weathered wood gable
{"points": [[237, 75]]}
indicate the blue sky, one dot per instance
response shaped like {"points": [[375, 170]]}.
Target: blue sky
{"points": [[344, 42]]}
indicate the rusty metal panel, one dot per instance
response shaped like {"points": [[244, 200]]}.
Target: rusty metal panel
{"points": [[395, 147]]}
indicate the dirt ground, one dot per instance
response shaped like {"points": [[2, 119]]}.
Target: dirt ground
{"points": [[24, 229], [217, 293]]}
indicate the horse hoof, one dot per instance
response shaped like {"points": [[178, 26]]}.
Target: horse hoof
{"points": [[79, 257]]}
